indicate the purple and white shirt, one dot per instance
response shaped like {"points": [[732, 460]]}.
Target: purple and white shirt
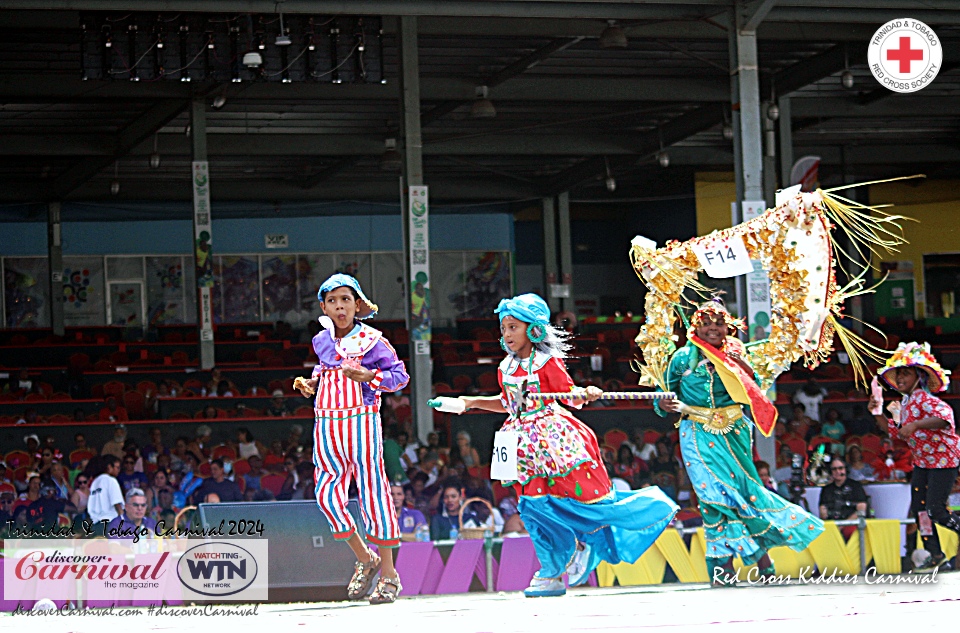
{"points": [[369, 348]]}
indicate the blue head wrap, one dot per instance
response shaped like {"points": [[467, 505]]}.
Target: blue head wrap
{"points": [[365, 307], [529, 308]]}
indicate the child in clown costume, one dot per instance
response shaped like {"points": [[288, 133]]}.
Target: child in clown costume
{"points": [[356, 363], [575, 517], [926, 423], [740, 516]]}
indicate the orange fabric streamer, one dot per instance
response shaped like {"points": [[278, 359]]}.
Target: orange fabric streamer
{"points": [[740, 386]]}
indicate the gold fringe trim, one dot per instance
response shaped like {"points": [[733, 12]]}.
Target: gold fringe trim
{"points": [[858, 350]]}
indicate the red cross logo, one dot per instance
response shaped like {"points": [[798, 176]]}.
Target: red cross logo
{"points": [[905, 55]]}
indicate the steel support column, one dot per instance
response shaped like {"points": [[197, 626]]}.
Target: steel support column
{"points": [[421, 367], [751, 128], [566, 249], [55, 254], [786, 141], [202, 230], [550, 268]]}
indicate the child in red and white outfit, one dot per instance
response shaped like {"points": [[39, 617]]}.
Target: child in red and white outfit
{"points": [[926, 423], [356, 364]]}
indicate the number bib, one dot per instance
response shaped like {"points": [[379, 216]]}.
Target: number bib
{"points": [[722, 258], [503, 463]]}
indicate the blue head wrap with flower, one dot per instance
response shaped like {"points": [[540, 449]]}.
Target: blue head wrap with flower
{"points": [[532, 309], [365, 307]]}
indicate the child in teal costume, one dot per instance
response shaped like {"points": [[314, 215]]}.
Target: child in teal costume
{"points": [[740, 516]]}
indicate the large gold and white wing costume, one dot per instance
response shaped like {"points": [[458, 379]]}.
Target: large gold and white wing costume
{"points": [[795, 244]]}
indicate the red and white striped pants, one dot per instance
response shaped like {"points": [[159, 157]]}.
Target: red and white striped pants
{"points": [[348, 444]]}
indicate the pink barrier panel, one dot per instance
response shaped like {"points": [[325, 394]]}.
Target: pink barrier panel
{"points": [[518, 564]]}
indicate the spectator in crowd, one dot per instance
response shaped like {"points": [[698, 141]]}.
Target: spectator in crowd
{"points": [[212, 497], [189, 466], [833, 427], [177, 452], [113, 412], [628, 465], [217, 483], [429, 466], [32, 492], [159, 482], [45, 463], [418, 488], [763, 471], [409, 519], [784, 463], [4, 473], [433, 441], [467, 453], [410, 445], [274, 460], [130, 449], [30, 416], [106, 498], [247, 445], [216, 382], [508, 505], [133, 517], [799, 426], [21, 384], [396, 400], [210, 412], [860, 423], [223, 390], [80, 440], [58, 479], [857, 470], [513, 527], [201, 445], [6, 508], [810, 396], [164, 502], [80, 495], [447, 519], [843, 497], [115, 446], [640, 448], [664, 461], [293, 439], [305, 485], [618, 483], [45, 511], [278, 405], [392, 453], [252, 478], [32, 443], [155, 447], [291, 469]]}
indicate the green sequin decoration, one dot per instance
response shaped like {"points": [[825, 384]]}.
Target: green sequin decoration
{"points": [[577, 490], [551, 482]]}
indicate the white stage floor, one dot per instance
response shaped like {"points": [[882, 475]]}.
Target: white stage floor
{"points": [[675, 608]]}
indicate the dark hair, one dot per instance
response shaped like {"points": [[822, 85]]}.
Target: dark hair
{"points": [[419, 476], [218, 462], [305, 469], [100, 464], [246, 432], [761, 464], [624, 447], [356, 297], [264, 495]]}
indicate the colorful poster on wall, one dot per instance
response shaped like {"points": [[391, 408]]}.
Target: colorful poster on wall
{"points": [[25, 292], [419, 232], [203, 245], [83, 291], [758, 284], [165, 291]]}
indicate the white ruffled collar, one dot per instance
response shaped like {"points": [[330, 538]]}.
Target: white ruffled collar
{"points": [[509, 364], [358, 342]]}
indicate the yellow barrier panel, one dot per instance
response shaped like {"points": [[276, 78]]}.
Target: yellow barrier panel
{"points": [[948, 541], [829, 553]]}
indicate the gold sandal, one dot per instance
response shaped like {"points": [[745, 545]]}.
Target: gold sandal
{"points": [[387, 590], [362, 577]]}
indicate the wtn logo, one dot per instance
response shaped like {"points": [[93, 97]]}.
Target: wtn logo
{"points": [[224, 569], [219, 569]]}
